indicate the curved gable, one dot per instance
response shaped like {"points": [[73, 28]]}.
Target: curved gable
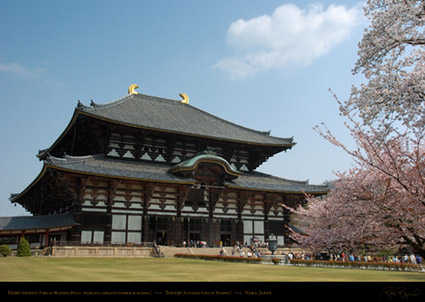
{"points": [[209, 159]]}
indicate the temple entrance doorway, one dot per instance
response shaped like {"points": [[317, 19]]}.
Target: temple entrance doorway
{"points": [[225, 239], [194, 237], [161, 238]]}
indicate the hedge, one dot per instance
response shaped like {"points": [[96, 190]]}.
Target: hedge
{"points": [[313, 263], [220, 258], [387, 266]]}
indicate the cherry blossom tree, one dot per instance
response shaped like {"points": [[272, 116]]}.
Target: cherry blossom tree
{"points": [[381, 200], [392, 58]]}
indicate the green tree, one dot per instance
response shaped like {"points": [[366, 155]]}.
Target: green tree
{"points": [[5, 250], [24, 249]]}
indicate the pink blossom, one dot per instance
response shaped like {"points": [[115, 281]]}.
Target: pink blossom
{"points": [[380, 202]]}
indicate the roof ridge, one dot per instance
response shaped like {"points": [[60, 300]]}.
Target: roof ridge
{"points": [[94, 105], [126, 98], [70, 158]]}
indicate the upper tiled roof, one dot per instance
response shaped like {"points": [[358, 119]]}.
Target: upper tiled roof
{"points": [[167, 115]]}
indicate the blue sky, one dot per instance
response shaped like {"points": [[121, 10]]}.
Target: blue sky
{"points": [[266, 65]]}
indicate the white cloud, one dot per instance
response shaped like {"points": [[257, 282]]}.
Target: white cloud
{"points": [[20, 71], [38, 74], [289, 37]]}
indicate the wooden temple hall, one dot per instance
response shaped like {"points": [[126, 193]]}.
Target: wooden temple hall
{"points": [[148, 169]]}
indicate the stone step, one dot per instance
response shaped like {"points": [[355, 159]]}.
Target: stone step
{"points": [[170, 251]]}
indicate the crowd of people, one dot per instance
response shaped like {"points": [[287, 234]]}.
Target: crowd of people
{"points": [[254, 251], [412, 258], [195, 243]]}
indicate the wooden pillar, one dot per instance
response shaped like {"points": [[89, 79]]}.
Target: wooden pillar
{"points": [[146, 235], [178, 231], [182, 192], [46, 240], [147, 195], [267, 206], [234, 231], [210, 222], [76, 230], [242, 200], [205, 229], [112, 187]]}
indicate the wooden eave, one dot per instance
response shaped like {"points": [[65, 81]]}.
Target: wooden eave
{"points": [[235, 187], [77, 112], [45, 152], [32, 184], [48, 166]]}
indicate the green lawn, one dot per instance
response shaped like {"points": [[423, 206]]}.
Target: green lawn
{"points": [[174, 269]]}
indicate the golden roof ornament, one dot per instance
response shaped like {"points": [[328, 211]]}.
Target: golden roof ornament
{"points": [[131, 89], [185, 98]]}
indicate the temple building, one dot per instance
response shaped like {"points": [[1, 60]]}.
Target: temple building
{"points": [[148, 169]]}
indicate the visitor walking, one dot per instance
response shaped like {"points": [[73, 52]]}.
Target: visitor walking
{"points": [[235, 250]]}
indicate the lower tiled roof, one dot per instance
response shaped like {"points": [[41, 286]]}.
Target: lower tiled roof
{"points": [[36, 222], [265, 182], [109, 167]]}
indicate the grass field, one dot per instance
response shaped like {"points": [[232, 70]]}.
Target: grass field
{"points": [[177, 270]]}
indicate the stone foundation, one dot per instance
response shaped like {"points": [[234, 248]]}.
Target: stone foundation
{"points": [[84, 251]]}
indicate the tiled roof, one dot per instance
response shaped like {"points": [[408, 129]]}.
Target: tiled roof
{"points": [[265, 182], [99, 165], [111, 167], [36, 222], [167, 115]]}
